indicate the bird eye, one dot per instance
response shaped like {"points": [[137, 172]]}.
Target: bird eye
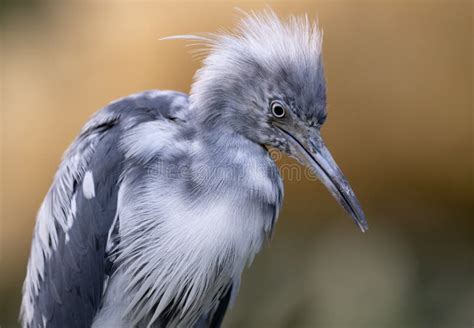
{"points": [[277, 109]]}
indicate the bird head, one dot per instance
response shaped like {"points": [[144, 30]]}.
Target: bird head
{"points": [[266, 82]]}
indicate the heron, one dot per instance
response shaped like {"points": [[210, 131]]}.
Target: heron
{"points": [[164, 198]]}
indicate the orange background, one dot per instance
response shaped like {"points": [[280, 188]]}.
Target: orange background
{"points": [[400, 100]]}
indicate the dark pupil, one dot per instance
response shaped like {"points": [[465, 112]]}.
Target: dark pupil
{"points": [[278, 110]]}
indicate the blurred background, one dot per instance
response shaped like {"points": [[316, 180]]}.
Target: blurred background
{"points": [[400, 98]]}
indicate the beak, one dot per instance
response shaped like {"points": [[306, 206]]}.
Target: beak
{"points": [[312, 152]]}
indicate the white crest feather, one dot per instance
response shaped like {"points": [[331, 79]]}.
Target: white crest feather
{"points": [[264, 36]]}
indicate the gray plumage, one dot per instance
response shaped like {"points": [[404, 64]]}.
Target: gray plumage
{"points": [[163, 199]]}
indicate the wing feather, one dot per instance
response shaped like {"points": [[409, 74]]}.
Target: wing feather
{"points": [[68, 263]]}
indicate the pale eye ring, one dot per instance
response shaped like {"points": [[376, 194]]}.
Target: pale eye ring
{"points": [[278, 110]]}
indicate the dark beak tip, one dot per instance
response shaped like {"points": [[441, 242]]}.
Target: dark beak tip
{"points": [[364, 228], [362, 224]]}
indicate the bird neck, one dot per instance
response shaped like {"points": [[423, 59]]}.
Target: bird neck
{"points": [[222, 140], [228, 162], [227, 156]]}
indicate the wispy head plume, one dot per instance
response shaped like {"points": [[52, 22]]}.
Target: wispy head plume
{"points": [[263, 35]]}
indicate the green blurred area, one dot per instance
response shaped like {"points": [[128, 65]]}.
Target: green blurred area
{"points": [[400, 97]]}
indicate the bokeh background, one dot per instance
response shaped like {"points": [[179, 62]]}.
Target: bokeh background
{"points": [[400, 126]]}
